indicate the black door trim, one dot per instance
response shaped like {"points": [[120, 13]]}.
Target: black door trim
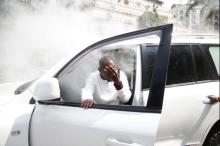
{"points": [[159, 76], [141, 109]]}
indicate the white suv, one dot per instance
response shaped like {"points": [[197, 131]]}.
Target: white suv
{"points": [[169, 106]]}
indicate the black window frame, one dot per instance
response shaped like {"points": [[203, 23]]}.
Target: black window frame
{"points": [[193, 68], [205, 56]]}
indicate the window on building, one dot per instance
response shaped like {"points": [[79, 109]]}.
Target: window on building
{"points": [[138, 4], [193, 10], [126, 2], [193, 16], [181, 12], [216, 25], [193, 22]]}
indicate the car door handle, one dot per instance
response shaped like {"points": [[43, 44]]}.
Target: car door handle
{"points": [[117, 142], [209, 99], [206, 100]]}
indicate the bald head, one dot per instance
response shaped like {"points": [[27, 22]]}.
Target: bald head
{"points": [[106, 61], [107, 68]]}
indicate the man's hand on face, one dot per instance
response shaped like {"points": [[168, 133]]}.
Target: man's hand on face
{"points": [[87, 103], [115, 76]]}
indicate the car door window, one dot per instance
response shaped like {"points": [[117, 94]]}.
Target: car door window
{"points": [[201, 64], [214, 51], [180, 68], [74, 80], [148, 57]]}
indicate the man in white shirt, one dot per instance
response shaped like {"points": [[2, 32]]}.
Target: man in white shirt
{"points": [[108, 85]]}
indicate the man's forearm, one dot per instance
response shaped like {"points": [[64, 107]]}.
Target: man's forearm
{"points": [[124, 95], [118, 85]]}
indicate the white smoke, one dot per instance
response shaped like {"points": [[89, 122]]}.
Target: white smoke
{"points": [[33, 38]]}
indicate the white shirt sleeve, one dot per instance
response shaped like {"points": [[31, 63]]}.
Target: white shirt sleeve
{"points": [[88, 90], [124, 94]]}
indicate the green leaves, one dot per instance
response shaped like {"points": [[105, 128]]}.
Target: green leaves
{"points": [[150, 19]]}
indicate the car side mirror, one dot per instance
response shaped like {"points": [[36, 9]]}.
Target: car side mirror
{"points": [[46, 89]]}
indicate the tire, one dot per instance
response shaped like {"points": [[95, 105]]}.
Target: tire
{"points": [[213, 138]]}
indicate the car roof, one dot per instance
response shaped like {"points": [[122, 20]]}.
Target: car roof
{"points": [[183, 39], [195, 39]]}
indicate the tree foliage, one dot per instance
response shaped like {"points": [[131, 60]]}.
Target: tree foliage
{"points": [[150, 19]]}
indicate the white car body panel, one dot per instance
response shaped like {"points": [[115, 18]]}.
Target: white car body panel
{"points": [[15, 124], [185, 118], [16, 109], [91, 127]]}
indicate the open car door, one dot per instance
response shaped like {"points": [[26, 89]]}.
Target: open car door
{"points": [[66, 123]]}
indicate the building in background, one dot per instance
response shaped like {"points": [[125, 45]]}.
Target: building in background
{"points": [[212, 18], [125, 11], [180, 20], [196, 16]]}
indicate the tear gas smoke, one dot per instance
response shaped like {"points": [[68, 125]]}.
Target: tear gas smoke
{"points": [[36, 37]]}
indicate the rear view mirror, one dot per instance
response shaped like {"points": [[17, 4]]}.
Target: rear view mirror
{"points": [[46, 89]]}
